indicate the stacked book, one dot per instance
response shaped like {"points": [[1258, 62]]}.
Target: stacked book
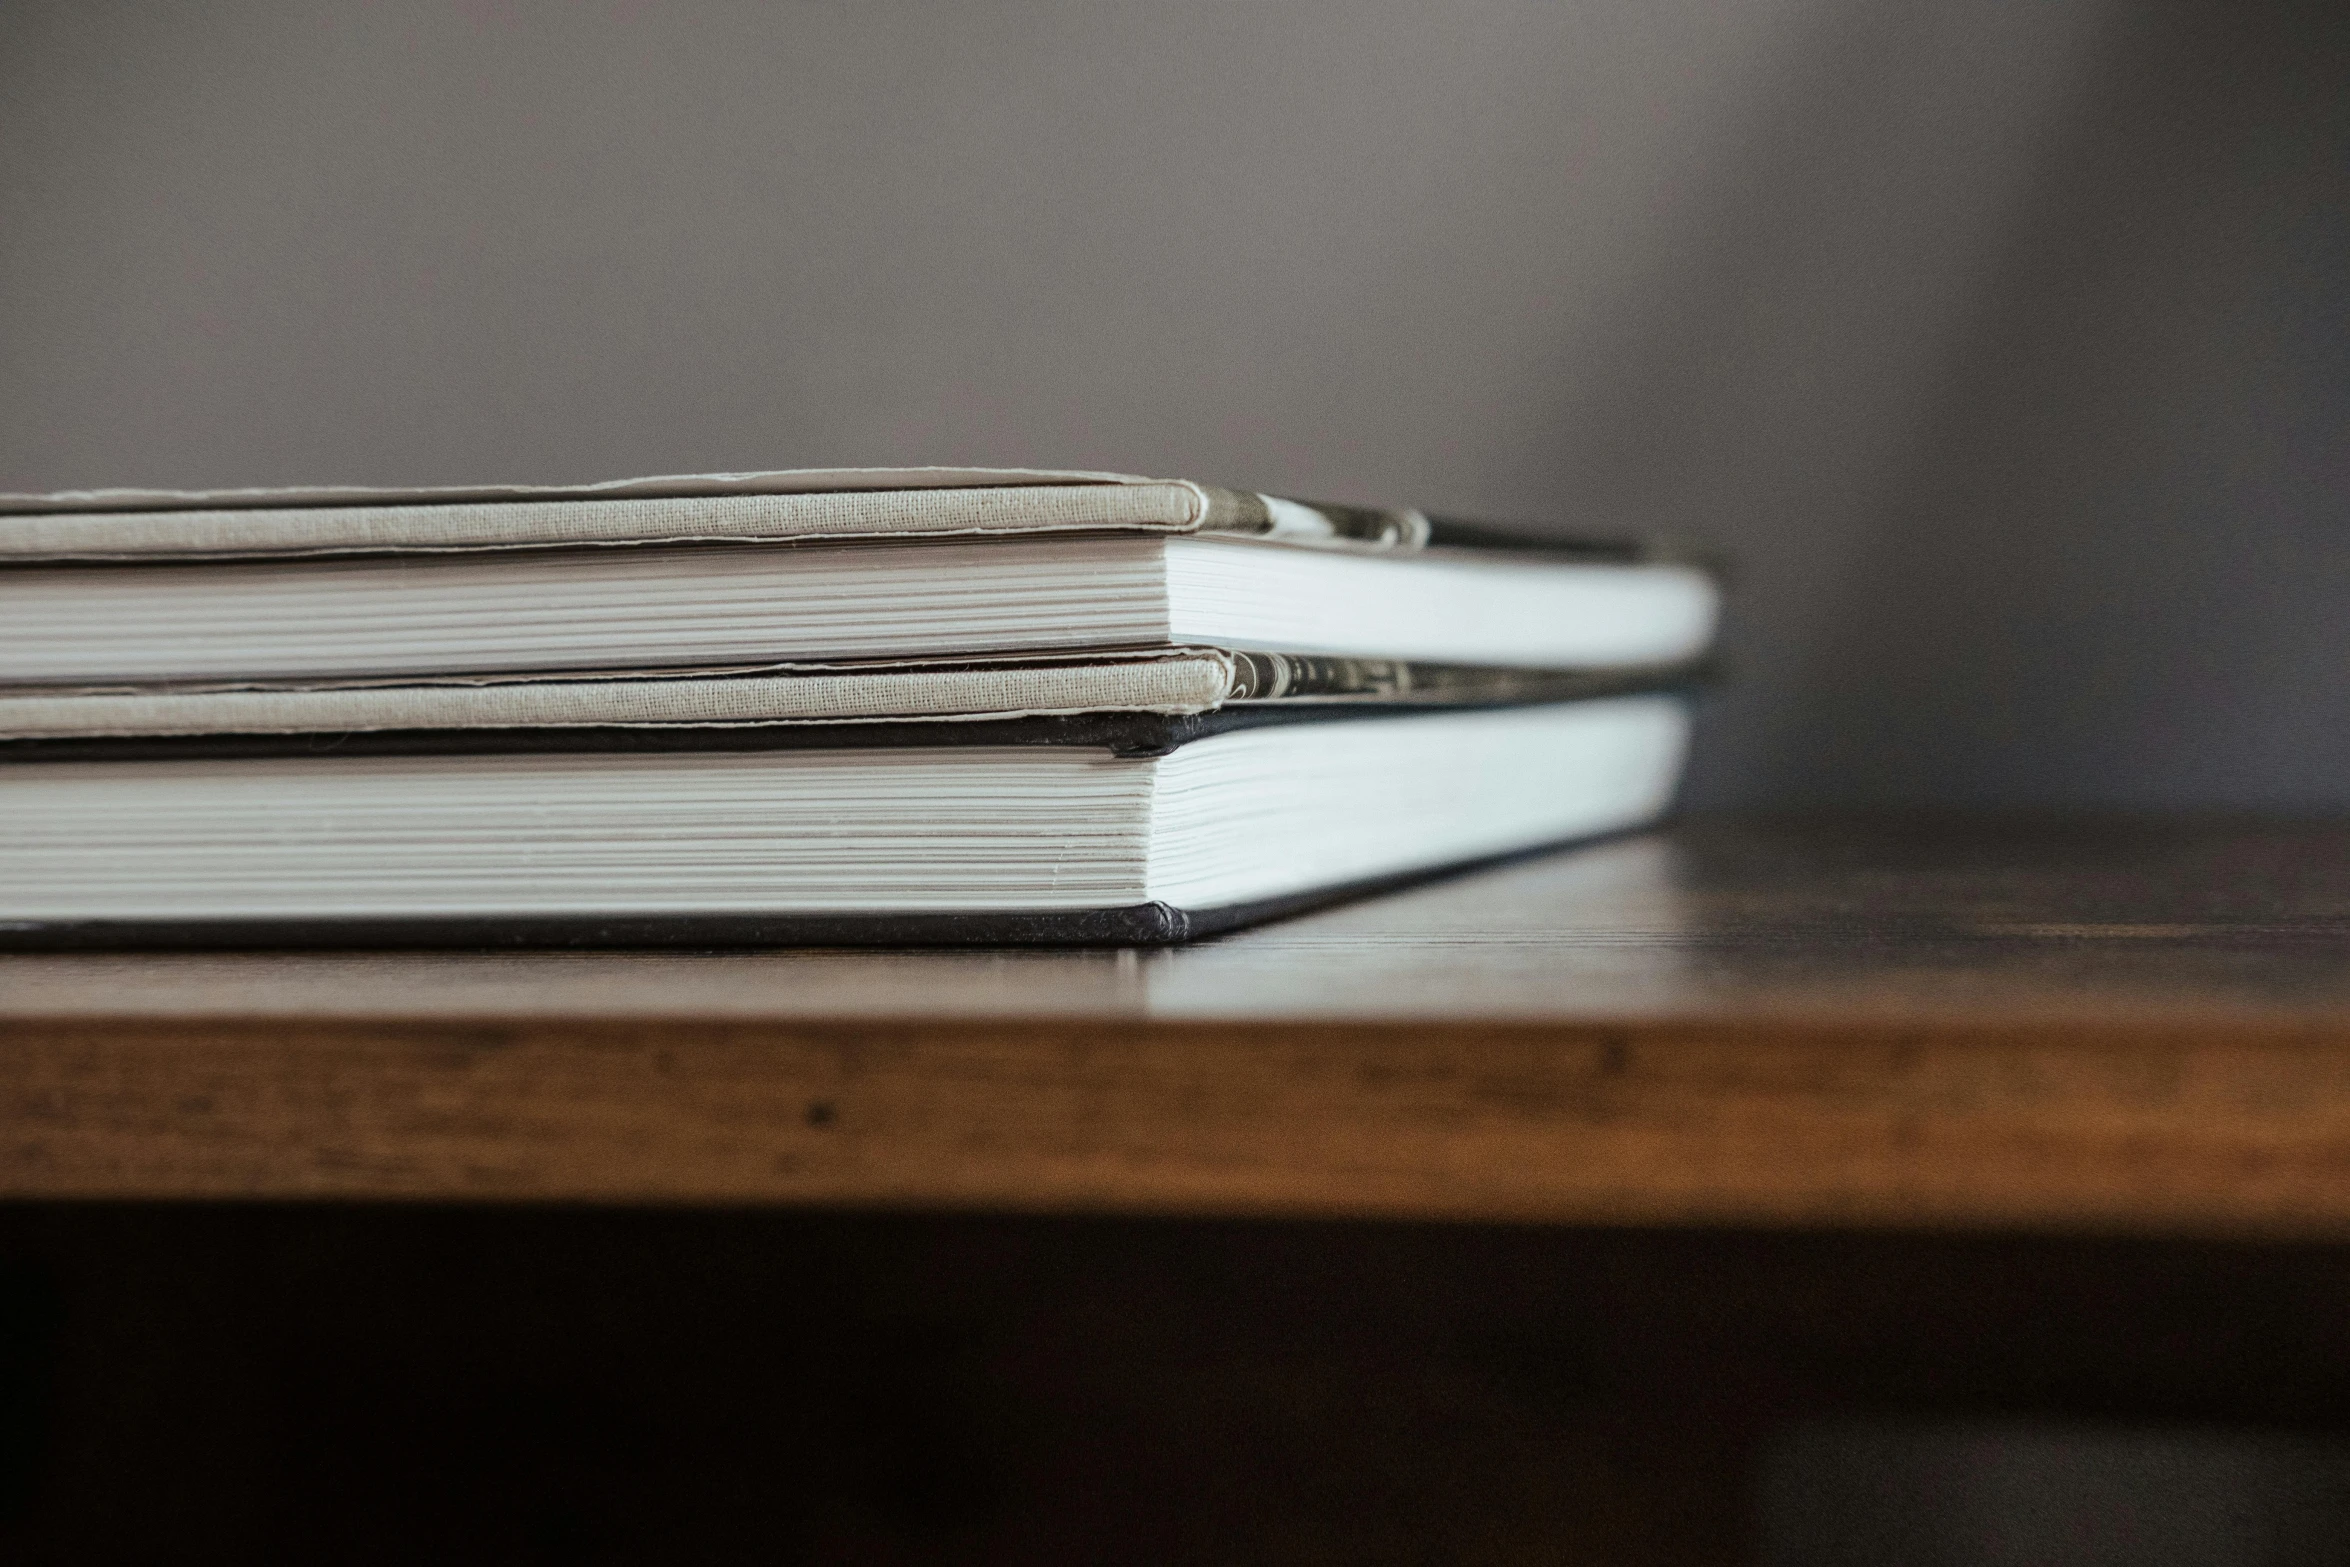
{"points": [[819, 706]]}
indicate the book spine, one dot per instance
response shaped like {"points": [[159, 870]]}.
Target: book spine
{"points": [[1251, 515], [1298, 677], [1244, 514]]}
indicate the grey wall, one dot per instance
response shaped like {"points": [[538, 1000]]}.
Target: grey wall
{"points": [[2006, 343]]}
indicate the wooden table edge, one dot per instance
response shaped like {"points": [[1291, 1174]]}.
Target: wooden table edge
{"points": [[2217, 1125]]}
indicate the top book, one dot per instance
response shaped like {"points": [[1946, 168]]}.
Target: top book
{"points": [[155, 586], [785, 505]]}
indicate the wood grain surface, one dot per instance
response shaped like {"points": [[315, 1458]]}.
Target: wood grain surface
{"points": [[2058, 1025]]}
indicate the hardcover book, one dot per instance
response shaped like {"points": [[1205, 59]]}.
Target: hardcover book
{"points": [[132, 587], [1137, 828]]}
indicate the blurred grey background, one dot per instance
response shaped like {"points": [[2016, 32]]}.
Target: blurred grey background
{"points": [[2004, 343]]}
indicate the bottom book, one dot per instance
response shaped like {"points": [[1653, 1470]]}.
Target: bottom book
{"points": [[1129, 829]]}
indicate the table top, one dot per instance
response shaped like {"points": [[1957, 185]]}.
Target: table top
{"points": [[2089, 1023]]}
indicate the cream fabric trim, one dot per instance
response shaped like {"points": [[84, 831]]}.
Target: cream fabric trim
{"points": [[1165, 507], [772, 481], [1162, 685]]}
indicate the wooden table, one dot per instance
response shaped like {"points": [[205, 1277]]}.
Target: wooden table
{"points": [[1729, 1125], [2139, 1027]]}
